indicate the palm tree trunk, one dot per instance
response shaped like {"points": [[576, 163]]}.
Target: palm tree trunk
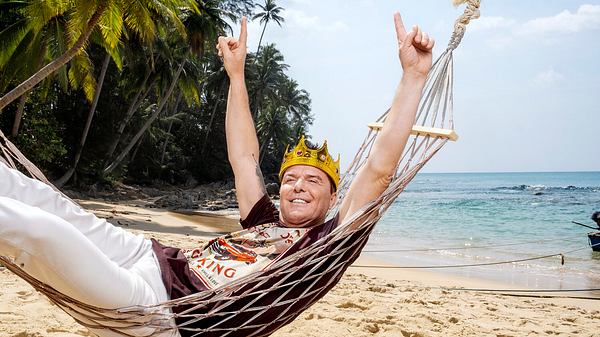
{"points": [[23, 98], [146, 125], [18, 116], [137, 147], [53, 66], [135, 104], [164, 147], [212, 117], [63, 180], [261, 36]]}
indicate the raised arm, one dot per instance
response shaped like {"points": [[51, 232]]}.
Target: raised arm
{"points": [[375, 176], [242, 143]]}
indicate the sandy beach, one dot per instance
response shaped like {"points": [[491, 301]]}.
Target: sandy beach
{"points": [[367, 302]]}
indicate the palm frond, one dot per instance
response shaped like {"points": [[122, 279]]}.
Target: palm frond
{"points": [[11, 38], [111, 24], [81, 74]]}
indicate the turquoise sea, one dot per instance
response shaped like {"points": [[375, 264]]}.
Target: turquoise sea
{"points": [[441, 219]]}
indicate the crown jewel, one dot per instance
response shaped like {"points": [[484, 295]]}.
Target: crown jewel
{"points": [[319, 158]]}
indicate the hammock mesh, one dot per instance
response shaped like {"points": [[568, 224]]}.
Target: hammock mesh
{"points": [[260, 303]]}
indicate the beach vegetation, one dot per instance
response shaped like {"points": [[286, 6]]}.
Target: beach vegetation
{"points": [[116, 91]]}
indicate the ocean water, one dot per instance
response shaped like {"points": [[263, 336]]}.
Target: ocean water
{"points": [[442, 219]]}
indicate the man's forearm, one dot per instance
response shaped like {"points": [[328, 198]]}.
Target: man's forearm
{"points": [[242, 142], [392, 138]]}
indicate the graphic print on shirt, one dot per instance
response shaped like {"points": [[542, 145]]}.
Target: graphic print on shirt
{"points": [[238, 254]]}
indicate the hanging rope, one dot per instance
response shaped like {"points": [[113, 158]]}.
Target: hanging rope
{"points": [[470, 247], [529, 292], [473, 264]]}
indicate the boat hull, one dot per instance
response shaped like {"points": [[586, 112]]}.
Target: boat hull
{"points": [[594, 238]]}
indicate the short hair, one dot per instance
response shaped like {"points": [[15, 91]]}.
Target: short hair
{"points": [[596, 216]]}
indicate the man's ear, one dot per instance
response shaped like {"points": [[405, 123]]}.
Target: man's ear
{"points": [[332, 199]]}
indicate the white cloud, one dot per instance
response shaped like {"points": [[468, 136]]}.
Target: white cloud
{"points": [[491, 23], [502, 32], [587, 17], [297, 19], [302, 2], [548, 78]]}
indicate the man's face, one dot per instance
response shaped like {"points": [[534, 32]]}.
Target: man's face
{"points": [[305, 195]]}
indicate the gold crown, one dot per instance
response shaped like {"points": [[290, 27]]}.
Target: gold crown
{"points": [[319, 158]]}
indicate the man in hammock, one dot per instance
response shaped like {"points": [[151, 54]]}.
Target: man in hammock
{"points": [[88, 259]]}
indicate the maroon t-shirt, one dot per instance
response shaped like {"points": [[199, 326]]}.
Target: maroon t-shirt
{"points": [[180, 281]]}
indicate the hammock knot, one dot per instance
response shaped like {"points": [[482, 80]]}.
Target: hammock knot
{"points": [[460, 25]]}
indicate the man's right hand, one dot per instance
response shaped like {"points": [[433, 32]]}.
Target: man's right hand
{"points": [[233, 52]]}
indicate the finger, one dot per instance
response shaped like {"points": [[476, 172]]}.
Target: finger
{"points": [[231, 41], [419, 35], [400, 30], [409, 38], [430, 44], [224, 47], [424, 40], [233, 44], [243, 32]]}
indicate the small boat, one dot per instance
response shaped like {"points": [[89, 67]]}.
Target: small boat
{"points": [[594, 238]]}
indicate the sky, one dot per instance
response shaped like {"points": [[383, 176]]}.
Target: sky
{"points": [[526, 77]]}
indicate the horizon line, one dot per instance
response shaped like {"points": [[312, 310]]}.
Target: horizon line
{"points": [[461, 172]]}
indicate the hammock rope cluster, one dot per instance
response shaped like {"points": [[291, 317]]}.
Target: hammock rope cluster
{"points": [[260, 303]]}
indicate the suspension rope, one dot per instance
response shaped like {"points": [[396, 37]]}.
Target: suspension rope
{"points": [[528, 292], [562, 255], [523, 290], [470, 247]]}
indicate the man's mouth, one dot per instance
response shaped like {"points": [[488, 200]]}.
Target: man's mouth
{"points": [[299, 201]]}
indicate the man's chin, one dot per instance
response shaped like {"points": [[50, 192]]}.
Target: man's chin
{"points": [[298, 221]]}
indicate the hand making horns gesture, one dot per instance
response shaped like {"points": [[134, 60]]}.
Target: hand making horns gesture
{"points": [[233, 51], [414, 48]]}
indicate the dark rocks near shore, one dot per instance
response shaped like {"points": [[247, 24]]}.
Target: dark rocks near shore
{"points": [[272, 189], [209, 197], [212, 197]]}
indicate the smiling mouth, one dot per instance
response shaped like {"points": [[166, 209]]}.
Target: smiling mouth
{"points": [[299, 201]]}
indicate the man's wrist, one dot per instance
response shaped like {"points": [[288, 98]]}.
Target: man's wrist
{"points": [[237, 78], [414, 77]]}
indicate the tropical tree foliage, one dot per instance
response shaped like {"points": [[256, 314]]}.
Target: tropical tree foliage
{"points": [[142, 101], [269, 12]]}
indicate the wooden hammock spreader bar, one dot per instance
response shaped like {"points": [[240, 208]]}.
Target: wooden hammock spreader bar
{"points": [[418, 130]]}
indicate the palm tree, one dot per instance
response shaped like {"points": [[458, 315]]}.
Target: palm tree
{"points": [[28, 49], [270, 11], [138, 61], [215, 89], [61, 181], [273, 130], [84, 17], [170, 52], [265, 76], [205, 24]]}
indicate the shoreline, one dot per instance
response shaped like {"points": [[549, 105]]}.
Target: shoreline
{"points": [[205, 225]]}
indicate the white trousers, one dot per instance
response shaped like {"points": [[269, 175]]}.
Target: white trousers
{"points": [[78, 254]]}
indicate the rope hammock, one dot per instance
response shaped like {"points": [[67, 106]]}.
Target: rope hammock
{"points": [[260, 303]]}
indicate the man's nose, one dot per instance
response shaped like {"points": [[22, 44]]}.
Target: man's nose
{"points": [[299, 185]]}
